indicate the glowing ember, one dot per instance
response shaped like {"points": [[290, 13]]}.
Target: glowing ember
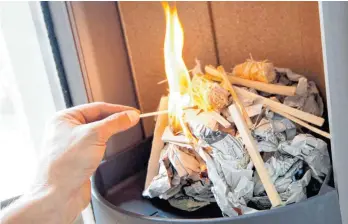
{"points": [[177, 74]]}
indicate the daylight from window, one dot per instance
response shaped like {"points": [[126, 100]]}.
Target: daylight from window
{"points": [[17, 154]]}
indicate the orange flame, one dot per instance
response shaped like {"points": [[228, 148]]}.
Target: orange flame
{"points": [[179, 82]]}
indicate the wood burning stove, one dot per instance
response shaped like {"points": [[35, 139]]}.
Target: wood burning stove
{"points": [[120, 50]]}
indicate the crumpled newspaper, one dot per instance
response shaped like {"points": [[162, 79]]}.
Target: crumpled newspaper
{"points": [[311, 150], [231, 202], [179, 180], [184, 162], [231, 183], [186, 203], [308, 100], [272, 130], [287, 163], [175, 188], [307, 96], [190, 196], [200, 190], [295, 192], [290, 75], [162, 182], [227, 166], [281, 168]]}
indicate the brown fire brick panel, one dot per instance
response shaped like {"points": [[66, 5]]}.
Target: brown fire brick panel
{"points": [[286, 33]]}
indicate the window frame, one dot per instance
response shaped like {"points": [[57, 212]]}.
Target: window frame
{"points": [[61, 91]]}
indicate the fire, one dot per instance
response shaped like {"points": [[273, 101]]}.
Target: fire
{"points": [[179, 81]]}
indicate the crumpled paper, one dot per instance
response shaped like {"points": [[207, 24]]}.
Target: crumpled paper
{"points": [[311, 150], [295, 192], [179, 180], [308, 100], [307, 96], [272, 130], [186, 203], [184, 162], [190, 196], [175, 188], [231, 183], [288, 162], [162, 182], [227, 165], [200, 190], [231, 202], [290, 75], [281, 168]]}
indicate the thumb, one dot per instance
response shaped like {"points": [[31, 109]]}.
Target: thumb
{"points": [[116, 123]]}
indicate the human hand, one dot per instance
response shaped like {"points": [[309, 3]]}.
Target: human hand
{"points": [[74, 145]]}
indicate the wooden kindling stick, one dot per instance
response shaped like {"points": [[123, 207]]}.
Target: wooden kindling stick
{"points": [[319, 121], [264, 87], [255, 156], [157, 143], [302, 123]]}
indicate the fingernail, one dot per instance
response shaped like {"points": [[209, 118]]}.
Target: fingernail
{"points": [[133, 116]]}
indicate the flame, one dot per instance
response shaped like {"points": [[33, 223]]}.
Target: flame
{"points": [[179, 82]]}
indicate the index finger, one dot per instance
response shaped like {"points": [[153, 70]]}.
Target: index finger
{"points": [[91, 112]]}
